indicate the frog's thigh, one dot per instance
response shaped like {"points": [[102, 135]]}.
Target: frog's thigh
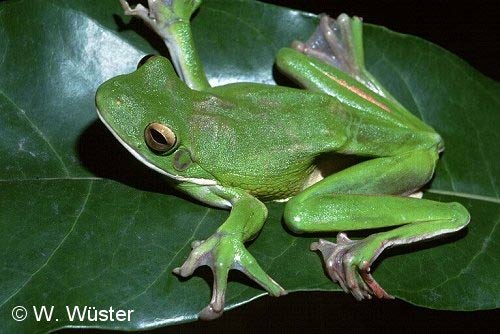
{"points": [[393, 175], [353, 198]]}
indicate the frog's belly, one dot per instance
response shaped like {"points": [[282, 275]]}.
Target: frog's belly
{"points": [[272, 187], [282, 193], [325, 165]]}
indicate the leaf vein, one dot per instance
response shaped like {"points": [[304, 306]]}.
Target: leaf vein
{"points": [[171, 261], [77, 218], [125, 230], [465, 195], [258, 31], [484, 246], [487, 166], [39, 132], [4, 54]]}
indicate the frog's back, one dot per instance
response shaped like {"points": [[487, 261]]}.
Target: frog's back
{"points": [[264, 138], [295, 116], [279, 101]]}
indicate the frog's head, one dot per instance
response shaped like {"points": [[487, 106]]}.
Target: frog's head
{"points": [[148, 112]]}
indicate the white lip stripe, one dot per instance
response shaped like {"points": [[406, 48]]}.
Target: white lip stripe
{"points": [[203, 182]]}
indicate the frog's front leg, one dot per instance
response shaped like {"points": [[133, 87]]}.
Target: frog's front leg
{"points": [[225, 250], [170, 20]]}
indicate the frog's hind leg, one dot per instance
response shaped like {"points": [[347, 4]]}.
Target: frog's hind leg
{"points": [[331, 61], [339, 44], [348, 261], [363, 197]]}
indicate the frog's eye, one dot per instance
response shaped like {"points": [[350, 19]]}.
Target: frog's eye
{"points": [[159, 137]]}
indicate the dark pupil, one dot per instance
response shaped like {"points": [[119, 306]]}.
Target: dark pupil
{"points": [[158, 137]]}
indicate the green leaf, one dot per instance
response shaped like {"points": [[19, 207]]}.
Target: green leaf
{"points": [[83, 223]]}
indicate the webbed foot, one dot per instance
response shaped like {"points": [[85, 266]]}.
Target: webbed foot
{"points": [[332, 42], [339, 43], [222, 252], [160, 14], [348, 263]]}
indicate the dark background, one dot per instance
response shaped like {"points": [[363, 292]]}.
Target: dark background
{"points": [[470, 30]]}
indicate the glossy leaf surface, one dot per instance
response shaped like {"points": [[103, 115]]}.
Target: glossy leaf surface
{"points": [[83, 223]]}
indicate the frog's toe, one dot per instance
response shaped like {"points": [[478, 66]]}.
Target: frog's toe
{"points": [[223, 252], [210, 313], [216, 306], [161, 14], [378, 291], [249, 266], [196, 243], [345, 264], [139, 11], [333, 43], [200, 255]]}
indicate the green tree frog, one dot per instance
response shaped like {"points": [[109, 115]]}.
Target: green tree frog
{"points": [[238, 145]]}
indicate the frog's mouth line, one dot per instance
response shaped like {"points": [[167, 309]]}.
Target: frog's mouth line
{"points": [[149, 164]]}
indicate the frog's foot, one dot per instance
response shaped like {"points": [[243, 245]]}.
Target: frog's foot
{"points": [[333, 43], [222, 252], [348, 263], [160, 14], [339, 43]]}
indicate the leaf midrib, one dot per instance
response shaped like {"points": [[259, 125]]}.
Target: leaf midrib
{"points": [[38, 131], [90, 178], [465, 195]]}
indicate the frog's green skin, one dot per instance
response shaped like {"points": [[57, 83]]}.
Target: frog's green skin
{"points": [[241, 144]]}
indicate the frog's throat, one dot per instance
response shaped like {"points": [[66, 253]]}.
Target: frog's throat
{"points": [[199, 181]]}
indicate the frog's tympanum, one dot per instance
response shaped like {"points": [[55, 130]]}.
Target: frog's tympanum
{"points": [[238, 145]]}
